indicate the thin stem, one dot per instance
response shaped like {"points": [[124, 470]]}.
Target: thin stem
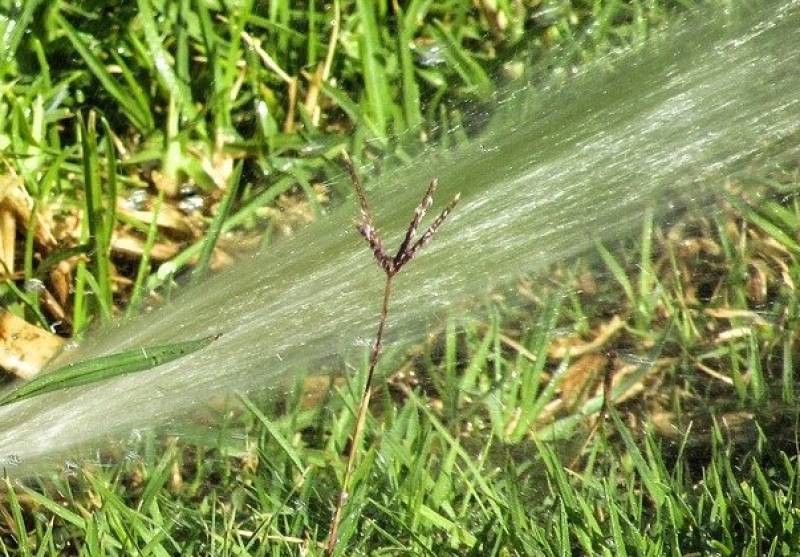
{"points": [[391, 266], [361, 418]]}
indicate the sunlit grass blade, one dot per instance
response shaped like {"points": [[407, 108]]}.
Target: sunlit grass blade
{"points": [[652, 483], [110, 212], [96, 217], [618, 272], [163, 62], [212, 235], [528, 402], [377, 89], [283, 443], [411, 98], [467, 68], [105, 367], [765, 224], [143, 271], [137, 93]]}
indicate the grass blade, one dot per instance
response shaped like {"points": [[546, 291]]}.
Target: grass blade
{"points": [[99, 229], [411, 100], [467, 68], [374, 77], [216, 225], [144, 263], [163, 63], [140, 116], [273, 431], [105, 367], [765, 224], [16, 30], [19, 522]]}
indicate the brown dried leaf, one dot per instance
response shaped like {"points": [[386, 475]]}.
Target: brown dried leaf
{"points": [[665, 423], [128, 245], [575, 346], [169, 219], [312, 95], [728, 313], [60, 281], [220, 259], [164, 183], [757, 282], [550, 411], [580, 378], [639, 387], [292, 211], [731, 334], [14, 197], [8, 240], [219, 168], [24, 348], [316, 389], [587, 283]]}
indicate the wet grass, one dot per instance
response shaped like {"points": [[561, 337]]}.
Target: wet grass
{"points": [[486, 440]]}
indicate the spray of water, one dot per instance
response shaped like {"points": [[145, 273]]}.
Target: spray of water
{"points": [[556, 169]]}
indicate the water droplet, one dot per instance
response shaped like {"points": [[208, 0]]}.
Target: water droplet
{"points": [[137, 199], [313, 148], [191, 204], [34, 286], [430, 55], [166, 270], [71, 467], [187, 189]]}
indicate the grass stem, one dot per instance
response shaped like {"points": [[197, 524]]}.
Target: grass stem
{"points": [[391, 265]]}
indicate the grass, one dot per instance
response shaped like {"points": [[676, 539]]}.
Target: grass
{"points": [[485, 439]]}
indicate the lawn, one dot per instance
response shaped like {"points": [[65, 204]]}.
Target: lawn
{"points": [[638, 399]]}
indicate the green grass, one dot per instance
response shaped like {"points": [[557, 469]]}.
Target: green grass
{"points": [[102, 100], [481, 442], [466, 458]]}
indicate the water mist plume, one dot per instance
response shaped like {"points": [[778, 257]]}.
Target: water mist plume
{"points": [[557, 169]]}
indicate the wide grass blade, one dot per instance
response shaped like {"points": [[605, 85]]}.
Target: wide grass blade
{"points": [[96, 216], [163, 62], [377, 89], [412, 106], [105, 367]]}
